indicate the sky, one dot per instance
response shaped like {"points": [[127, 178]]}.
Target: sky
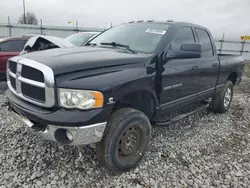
{"points": [[231, 17]]}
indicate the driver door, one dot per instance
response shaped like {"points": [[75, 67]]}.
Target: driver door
{"points": [[180, 77]]}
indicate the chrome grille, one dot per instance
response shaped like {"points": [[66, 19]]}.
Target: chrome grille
{"points": [[31, 81]]}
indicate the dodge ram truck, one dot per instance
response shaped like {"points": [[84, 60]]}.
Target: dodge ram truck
{"points": [[110, 91]]}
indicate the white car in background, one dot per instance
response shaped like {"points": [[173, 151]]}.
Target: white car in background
{"points": [[3, 38], [79, 39], [41, 42]]}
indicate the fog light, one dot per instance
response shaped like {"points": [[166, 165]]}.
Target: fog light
{"points": [[69, 135]]}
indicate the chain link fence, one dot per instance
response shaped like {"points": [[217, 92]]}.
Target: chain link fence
{"points": [[13, 30], [233, 47]]}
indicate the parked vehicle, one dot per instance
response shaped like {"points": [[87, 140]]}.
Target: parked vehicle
{"points": [[41, 42], [79, 39], [10, 47], [110, 91], [3, 38], [28, 43]]}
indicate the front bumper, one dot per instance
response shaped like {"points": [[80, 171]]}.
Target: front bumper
{"points": [[80, 135], [85, 127], [57, 116]]}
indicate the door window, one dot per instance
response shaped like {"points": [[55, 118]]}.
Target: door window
{"points": [[12, 46], [183, 35]]}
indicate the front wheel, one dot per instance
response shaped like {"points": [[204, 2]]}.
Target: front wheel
{"points": [[125, 140], [221, 102]]}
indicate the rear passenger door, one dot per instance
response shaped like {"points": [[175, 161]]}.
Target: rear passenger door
{"points": [[208, 63]]}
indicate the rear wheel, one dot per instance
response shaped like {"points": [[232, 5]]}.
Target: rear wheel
{"points": [[221, 102], [125, 140]]}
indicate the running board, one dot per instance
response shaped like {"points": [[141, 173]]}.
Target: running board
{"points": [[178, 118]]}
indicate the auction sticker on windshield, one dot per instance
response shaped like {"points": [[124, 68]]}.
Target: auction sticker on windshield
{"points": [[156, 31]]}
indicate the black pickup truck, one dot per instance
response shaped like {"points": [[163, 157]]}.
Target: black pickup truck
{"points": [[111, 90]]}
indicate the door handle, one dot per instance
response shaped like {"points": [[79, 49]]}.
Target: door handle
{"points": [[215, 65], [195, 67]]}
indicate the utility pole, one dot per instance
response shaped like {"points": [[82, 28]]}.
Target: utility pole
{"points": [[24, 16]]}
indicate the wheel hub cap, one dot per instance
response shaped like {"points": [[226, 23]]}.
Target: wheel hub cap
{"points": [[129, 142]]}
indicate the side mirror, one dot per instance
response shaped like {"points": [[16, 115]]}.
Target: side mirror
{"points": [[193, 47], [187, 50]]}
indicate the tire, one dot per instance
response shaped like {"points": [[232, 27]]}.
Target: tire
{"points": [[125, 140], [221, 101]]}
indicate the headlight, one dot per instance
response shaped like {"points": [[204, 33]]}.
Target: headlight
{"points": [[81, 99]]}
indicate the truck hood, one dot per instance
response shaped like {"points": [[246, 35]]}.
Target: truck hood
{"points": [[67, 60]]}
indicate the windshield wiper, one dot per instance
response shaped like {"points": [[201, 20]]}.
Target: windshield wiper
{"points": [[119, 45]]}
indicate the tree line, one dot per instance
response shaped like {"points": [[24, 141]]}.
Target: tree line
{"points": [[28, 18]]}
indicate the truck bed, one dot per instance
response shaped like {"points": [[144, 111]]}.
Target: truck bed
{"points": [[229, 62], [232, 58]]}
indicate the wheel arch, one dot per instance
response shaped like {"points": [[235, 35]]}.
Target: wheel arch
{"points": [[233, 77], [142, 100]]}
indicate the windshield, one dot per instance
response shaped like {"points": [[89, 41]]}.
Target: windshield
{"points": [[141, 37], [79, 39]]}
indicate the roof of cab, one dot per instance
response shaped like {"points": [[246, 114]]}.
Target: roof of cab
{"points": [[168, 22]]}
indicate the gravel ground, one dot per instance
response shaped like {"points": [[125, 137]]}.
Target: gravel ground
{"points": [[203, 150]]}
